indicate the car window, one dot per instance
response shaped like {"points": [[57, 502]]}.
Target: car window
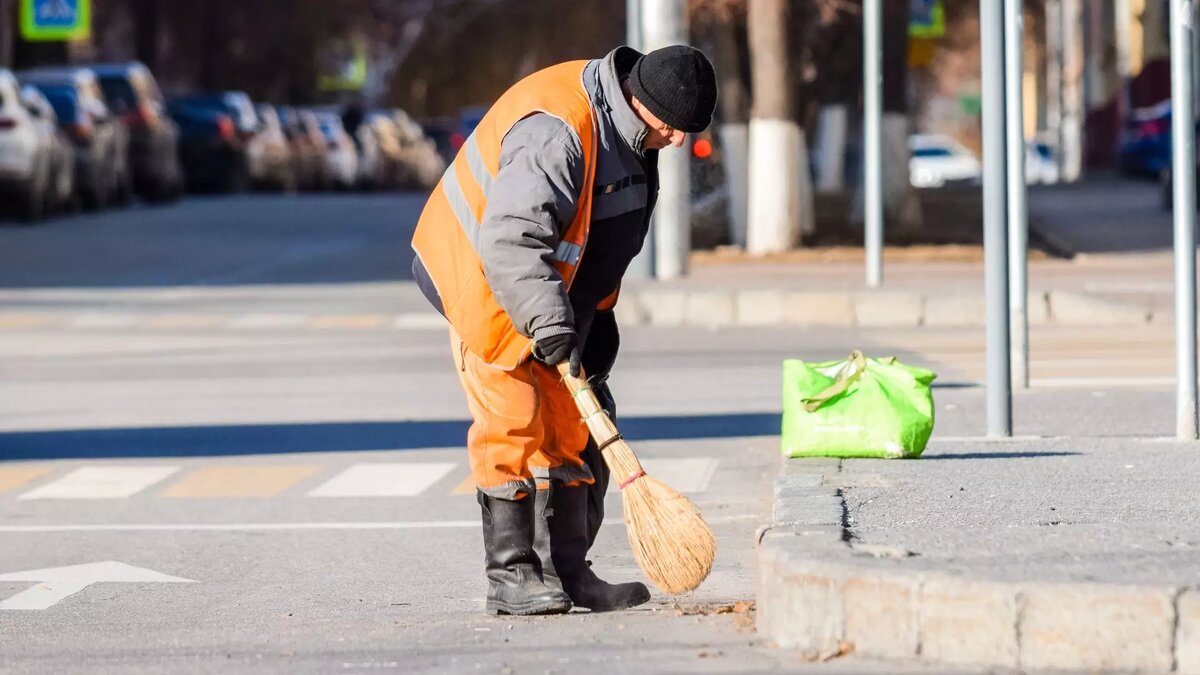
{"points": [[63, 100], [119, 93], [932, 152]]}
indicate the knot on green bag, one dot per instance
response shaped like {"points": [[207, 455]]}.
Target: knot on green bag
{"points": [[857, 366]]}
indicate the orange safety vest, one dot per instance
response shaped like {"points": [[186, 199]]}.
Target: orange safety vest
{"points": [[452, 216]]}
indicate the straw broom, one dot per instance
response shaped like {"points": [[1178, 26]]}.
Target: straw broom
{"points": [[670, 540]]}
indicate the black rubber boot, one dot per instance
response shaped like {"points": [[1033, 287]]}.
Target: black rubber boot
{"points": [[567, 520], [514, 573]]}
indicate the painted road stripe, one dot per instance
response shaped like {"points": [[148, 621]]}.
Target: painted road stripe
{"points": [[13, 477], [259, 321], [102, 482], [103, 320], [686, 474], [170, 321], [240, 481], [349, 321], [23, 320], [383, 480], [283, 527], [420, 320]]}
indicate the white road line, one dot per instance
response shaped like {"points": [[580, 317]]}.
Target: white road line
{"points": [[395, 479], [281, 527], [686, 474], [102, 482], [256, 321], [419, 320], [103, 320]]}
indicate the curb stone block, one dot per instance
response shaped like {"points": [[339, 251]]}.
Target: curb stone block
{"points": [[888, 309], [810, 511], [1187, 635], [759, 307], [968, 623], [955, 310], [663, 307], [818, 309], [881, 615], [811, 465], [709, 308], [1096, 627], [629, 310], [1070, 309], [806, 612]]}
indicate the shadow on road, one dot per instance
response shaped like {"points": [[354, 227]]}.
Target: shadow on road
{"points": [[269, 439], [998, 455]]}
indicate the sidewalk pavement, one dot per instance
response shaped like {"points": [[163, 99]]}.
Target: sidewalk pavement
{"points": [[1133, 289], [1074, 546]]}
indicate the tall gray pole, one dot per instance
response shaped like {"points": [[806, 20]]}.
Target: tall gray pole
{"points": [[995, 236], [872, 147], [642, 266], [1018, 222], [1183, 171], [664, 24]]}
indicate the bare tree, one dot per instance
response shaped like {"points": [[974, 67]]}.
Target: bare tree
{"points": [[781, 200]]}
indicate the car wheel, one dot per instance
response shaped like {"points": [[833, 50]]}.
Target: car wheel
{"points": [[1168, 194]]}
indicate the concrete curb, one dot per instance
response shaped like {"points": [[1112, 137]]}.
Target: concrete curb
{"points": [[820, 593], [879, 309]]}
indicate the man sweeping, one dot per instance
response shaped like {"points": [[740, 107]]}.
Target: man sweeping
{"points": [[522, 247]]}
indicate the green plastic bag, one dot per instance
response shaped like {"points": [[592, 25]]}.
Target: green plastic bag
{"points": [[859, 407]]}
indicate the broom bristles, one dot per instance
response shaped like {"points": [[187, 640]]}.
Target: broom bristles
{"points": [[670, 540]]}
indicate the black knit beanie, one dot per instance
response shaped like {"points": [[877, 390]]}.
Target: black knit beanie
{"points": [[678, 85]]}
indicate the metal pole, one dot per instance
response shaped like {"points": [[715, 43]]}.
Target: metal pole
{"points": [[995, 236], [642, 266], [872, 147], [1183, 171], [1018, 222]]}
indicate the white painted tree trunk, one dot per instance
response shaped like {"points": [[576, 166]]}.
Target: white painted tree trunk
{"points": [[832, 123], [735, 158], [775, 193], [899, 199]]}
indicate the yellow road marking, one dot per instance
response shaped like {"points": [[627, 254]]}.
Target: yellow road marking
{"points": [[240, 481], [23, 320], [466, 487], [15, 476], [349, 321], [183, 321]]}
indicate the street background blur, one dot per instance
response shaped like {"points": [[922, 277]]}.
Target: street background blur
{"points": [[232, 439]]}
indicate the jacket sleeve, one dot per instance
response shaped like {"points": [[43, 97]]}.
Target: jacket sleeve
{"points": [[530, 205]]}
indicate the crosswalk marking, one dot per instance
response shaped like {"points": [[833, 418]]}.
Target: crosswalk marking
{"points": [[402, 479], [103, 320], [256, 321], [13, 477], [349, 321], [686, 474], [102, 482], [466, 487], [23, 320], [177, 321], [240, 481]]}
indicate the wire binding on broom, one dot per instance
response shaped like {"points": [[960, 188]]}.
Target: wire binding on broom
{"points": [[625, 483]]}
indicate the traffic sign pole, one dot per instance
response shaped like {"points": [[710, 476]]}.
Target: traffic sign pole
{"points": [[1183, 173]]}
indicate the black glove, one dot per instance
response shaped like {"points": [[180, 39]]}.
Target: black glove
{"points": [[600, 347], [555, 349]]}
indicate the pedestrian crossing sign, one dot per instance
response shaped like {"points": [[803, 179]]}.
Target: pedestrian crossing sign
{"points": [[56, 20]]}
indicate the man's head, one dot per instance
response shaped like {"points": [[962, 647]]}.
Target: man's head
{"points": [[674, 91]]}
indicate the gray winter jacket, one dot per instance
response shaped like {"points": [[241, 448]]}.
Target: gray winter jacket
{"points": [[534, 198]]}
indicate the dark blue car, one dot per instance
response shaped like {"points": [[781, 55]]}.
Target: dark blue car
{"points": [[1145, 148]]}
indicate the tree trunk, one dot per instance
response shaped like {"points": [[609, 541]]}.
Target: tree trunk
{"points": [[899, 199], [733, 132], [8, 25], [146, 32], [780, 193]]}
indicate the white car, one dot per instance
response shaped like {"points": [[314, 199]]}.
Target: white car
{"points": [[1040, 166], [25, 153], [341, 157], [937, 160]]}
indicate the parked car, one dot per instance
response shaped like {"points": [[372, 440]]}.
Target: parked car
{"points": [[1041, 167], [307, 145], [277, 170], [248, 157], [938, 160], [61, 187], [214, 158], [424, 158], [341, 158], [391, 148], [1145, 142], [24, 154], [101, 143], [133, 95], [370, 157]]}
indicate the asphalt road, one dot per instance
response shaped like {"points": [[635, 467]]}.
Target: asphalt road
{"points": [[295, 466]]}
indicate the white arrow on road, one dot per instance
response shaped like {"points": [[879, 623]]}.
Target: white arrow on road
{"points": [[59, 582]]}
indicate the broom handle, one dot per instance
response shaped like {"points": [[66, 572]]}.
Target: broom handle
{"points": [[599, 424]]}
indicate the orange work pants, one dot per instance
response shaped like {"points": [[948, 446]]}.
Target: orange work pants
{"points": [[526, 429]]}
